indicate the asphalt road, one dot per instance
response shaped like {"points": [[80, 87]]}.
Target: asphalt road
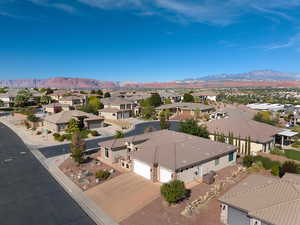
{"points": [[29, 195], [56, 150]]}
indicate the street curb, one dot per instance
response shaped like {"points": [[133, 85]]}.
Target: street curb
{"points": [[88, 205]]}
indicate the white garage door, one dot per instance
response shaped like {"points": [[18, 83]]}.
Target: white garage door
{"points": [[142, 169], [165, 175]]}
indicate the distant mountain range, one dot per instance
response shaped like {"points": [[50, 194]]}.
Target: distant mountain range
{"points": [[250, 79], [257, 75]]}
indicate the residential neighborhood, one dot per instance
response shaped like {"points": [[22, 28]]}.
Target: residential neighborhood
{"points": [[139, 112], [214, 150]]}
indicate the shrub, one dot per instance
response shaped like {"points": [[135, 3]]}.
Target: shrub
{"points": [[275, 170], [27, 125], [277, 151], [34, 129], [67, 136], [173, 191], [94, 133], [267, 163], [84, 133], [102, 174], [38, 133], [56, 135], [248, 160], [61, 138], [256, 167], [119, 134], [289, 167], [296, 144], [32, 118]]}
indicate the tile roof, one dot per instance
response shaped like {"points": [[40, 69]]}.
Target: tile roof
{"points": [[173, 150], [243, 127], [273, 200], [185, 105], [65, 116]]}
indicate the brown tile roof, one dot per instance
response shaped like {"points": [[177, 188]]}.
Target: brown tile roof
{"points": [[243, 127], [185, 105], [173, 150], [65, 116], [273, 200]]}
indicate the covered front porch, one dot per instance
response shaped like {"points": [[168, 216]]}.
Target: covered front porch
{"points": [[285, 138]]}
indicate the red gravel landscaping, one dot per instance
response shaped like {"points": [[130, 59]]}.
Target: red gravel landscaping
{"points": [[85, 182]]}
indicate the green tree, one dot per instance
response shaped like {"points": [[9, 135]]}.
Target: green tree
{"points": [[168, 101], [22, 98], [119, 134], [107, 95], [73, 126], [191, 126], [187, 97], [77, 147], [164, 123], [148, 112], [100, 92], [155, 100], [32, 118], [173, 191], [45, 99], [1, 103]]}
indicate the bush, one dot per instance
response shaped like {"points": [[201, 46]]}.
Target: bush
{"points": [[38, 133], [275, 170], [289, 167], [56, 135], [248, 160], [34, 129], [61, 138], [102, 174], [84, 133], [27, 125], [173, 191], [296, 144], [94, 133], [32, 118], [67, 136], [267, 163]]}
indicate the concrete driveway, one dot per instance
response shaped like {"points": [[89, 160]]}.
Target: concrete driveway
{"points": [[124, 195]]}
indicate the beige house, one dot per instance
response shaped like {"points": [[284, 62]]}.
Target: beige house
{"points": [[117, 108], [72, 101], [59, 122], [206, 95], [184, 110], [262, 136], [56, 108], [262, 200], [164, 155]]}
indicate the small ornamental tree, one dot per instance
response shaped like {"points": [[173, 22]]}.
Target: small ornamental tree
{"points": [[164, 123], [32, 118], [102, 174], [107, 95], [119, 134], [188, 98], [191, 126], [73, 126], [77, 147], [173, 191]]}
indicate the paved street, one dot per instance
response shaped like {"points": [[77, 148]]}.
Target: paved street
{"points": [[28, 194], [52, 151]]}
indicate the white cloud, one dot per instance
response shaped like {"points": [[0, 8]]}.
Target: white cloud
{"points": [[293, 41], [57, 5], [221, 12]]}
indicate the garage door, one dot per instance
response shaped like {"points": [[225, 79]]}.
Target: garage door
{"points": [[165, 175], [142, 169]]}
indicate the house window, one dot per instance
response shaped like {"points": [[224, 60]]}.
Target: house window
{"points": [[230, 156], [106, 153], [217, 161]]}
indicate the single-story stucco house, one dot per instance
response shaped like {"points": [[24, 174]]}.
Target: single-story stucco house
{"points": [[59, 121], [164, 155], [262, 136], [262, 200]]}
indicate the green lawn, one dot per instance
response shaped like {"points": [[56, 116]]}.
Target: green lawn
{"points": [[292, 154]]}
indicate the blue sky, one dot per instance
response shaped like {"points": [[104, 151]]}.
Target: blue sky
{"points": [[147, 40]]}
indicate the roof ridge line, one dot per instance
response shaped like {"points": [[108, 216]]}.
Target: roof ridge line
{"points": [[249, 189]]}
